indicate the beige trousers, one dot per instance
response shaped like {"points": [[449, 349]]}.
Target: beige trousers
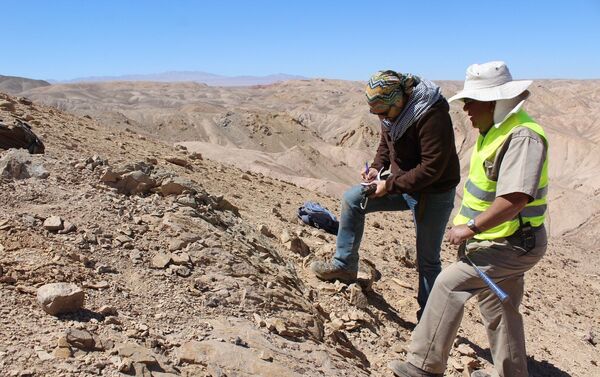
{"points": [[506, 264]]}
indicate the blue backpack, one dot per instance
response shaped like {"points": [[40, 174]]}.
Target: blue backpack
{"points": [[318, 216]]}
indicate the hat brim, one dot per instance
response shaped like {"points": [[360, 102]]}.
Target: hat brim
{"points": [[505, 91]]}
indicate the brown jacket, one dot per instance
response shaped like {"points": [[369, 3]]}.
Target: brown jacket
{"points": [[424, 159]]}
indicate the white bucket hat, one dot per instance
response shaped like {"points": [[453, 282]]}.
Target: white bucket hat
{"points": [[490, 81]]}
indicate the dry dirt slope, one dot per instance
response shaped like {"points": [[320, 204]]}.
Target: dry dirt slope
{"points": [[318, 133], [232, 300]]}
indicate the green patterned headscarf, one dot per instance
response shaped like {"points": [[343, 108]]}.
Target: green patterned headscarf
{"points": [[385, 88]]}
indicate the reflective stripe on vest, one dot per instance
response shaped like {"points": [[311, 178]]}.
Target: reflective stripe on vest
{"points": [[480, 191], [489, 196]]}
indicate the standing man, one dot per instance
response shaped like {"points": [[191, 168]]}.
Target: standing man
{"points": [[501, 220], [417, 143]]}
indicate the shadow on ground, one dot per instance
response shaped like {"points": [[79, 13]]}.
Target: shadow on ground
{"points": [[537, 368]]}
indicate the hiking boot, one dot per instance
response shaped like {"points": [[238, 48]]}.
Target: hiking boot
{"points": [[406, 369], [328, 271]]}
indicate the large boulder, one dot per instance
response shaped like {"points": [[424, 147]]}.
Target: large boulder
{"points": [[19, 164], [19, 135], [57, 298]]}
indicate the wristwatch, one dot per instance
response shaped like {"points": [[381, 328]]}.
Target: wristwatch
{"points": [[473, 227]]}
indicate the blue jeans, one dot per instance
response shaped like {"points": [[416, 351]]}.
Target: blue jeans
{"points": [[430, 215]]}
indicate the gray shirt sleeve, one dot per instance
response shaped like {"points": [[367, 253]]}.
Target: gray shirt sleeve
{"points": [[518, 163]]}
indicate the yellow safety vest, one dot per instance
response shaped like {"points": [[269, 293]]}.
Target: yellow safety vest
{"points": [[480, 191]]}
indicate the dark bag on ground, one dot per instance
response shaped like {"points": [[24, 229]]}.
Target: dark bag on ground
{"points": [[19, 135], [316, 215]]}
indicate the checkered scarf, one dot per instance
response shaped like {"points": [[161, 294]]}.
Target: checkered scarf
{"points": [[424, 95]]}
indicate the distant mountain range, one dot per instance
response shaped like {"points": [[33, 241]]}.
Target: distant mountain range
{"points": [[15, 85], [194, 76]]}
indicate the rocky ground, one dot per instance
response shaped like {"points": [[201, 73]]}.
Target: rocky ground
{"points": [[190, 267]]}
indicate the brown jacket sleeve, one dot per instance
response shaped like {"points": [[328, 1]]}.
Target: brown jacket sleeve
{"points": [[435, 137]]}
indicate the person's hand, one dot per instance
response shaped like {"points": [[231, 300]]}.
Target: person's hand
{"points": [[370, 177], [380, 191], [458, 234]]}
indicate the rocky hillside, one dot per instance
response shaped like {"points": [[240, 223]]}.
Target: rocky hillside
{"points": [[193, 267], [16, 85], [318, 133]]}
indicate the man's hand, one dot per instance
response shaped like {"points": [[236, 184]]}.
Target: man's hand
{"points": [[380, 191], [370, 176], [459, 234]]}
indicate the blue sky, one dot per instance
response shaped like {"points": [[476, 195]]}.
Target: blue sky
{"points": [[62, 39]]}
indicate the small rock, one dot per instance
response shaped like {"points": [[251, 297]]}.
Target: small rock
{"points": [[465, 350], [53, 223], [175, 186], [181, 259], [103, 284], [56, 298], [62, 352], [284, 237], [266, 356], [178, 161], [160, 261], [107, 310], [182, 271], [259, 321], [409, 259], [68, 227], [196, 156], [110, 176], [357, 297], [177, 244], [456, 364], [122, 239], [298, 246], [137, 354], [470, 363], [44, 356], [113, 321], [7, 106], [590, 337], [105, 269], [240, 342], [125, 366], [135, 255], [62, 342], [25, 101], [265, 231], [337, 323], [80, 339], [135, 182]]}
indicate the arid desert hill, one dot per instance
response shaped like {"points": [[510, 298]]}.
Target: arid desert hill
{"points": [[15, 85], [318, 133], [193, 267]]}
